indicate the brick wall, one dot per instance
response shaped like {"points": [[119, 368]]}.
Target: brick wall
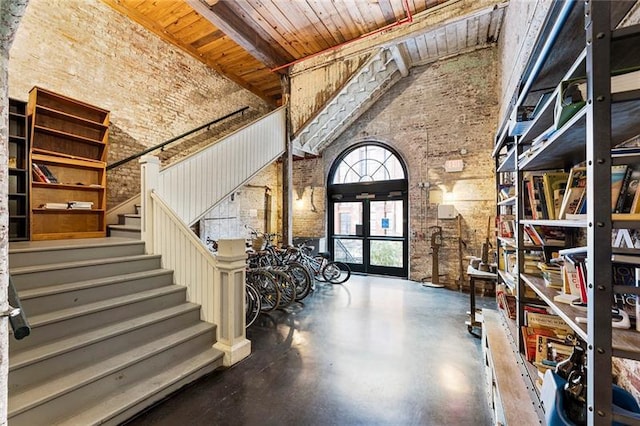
{"points": [[430, 117], [86, 50], [309, 198], [247, 206]]}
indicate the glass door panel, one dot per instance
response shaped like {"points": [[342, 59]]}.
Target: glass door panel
{"points": [[386, 253], [386, 219], [347, 217], [348, 250]]}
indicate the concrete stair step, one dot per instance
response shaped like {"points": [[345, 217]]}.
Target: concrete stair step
{"points": [[41, 363], [48, 327], [130, 219], [122, 405], [29, 277], [92, 385], [41, 300], [124, 231], [61, 251]]}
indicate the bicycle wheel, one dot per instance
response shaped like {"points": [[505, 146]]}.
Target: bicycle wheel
{"points": [[267, 287], [251, 305], [301, 278], [318, 261], [336, 272], [286, 286]]}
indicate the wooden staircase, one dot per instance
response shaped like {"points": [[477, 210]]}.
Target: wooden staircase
{"points": [[128, 226], [111, 334]]}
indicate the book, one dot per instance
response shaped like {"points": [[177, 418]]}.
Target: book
{"points": [[38, 175], [627, 201], [625, 80], [87, 205], [574, 192], [624, 191], [552, 322], [624, 275], [530, 339], [534, 188], [572, 95], [550, 351], [63, 206], [526, 199], [575, 266], [554, 184], [617, 177], [47, 172], [570, 280], [538, 191], [637, 275]]}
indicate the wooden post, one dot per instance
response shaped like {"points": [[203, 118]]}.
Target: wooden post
{"points": [[287, 169], [230, 278], [149, 175]]}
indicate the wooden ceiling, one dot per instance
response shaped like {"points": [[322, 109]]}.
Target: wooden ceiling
{"points": [[250, 40]]}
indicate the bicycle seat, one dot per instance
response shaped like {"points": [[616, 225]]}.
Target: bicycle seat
{"points": [[325, 254]]}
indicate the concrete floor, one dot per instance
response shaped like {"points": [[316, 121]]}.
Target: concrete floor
{"points": [[375, 351]]}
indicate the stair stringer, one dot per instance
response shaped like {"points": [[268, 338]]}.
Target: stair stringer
{"points": [[375, 77]]}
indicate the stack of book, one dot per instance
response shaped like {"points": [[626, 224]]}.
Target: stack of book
{"points": [[41, 173], [548, 340], [83, 205], [552, 274]]}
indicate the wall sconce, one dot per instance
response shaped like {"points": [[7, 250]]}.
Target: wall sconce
{"points": [[299, 203]]}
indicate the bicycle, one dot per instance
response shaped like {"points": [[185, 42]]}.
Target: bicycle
{"points": [[265, 254], [252, 304], [321, 265]]}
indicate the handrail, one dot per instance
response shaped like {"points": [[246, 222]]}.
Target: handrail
{"points": [[17, 317], [167, 142], [350, 257]]}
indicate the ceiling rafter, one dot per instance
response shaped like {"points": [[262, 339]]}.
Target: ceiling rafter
{"points": [[223, 17], [166, 36]]}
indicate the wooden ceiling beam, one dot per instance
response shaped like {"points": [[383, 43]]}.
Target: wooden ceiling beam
{"points": [[164, 35], [220, 15], [437, 17]]}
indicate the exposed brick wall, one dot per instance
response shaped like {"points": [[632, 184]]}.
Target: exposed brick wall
{"points": [[309, 216], [247, 206], [88, 51], [428, 117]]}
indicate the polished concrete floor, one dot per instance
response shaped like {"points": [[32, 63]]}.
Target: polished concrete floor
{"points": [[375, 351]]}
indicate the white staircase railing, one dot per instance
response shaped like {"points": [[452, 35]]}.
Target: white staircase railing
{"points": [[215, 283], [177, 196], [195, 184]]}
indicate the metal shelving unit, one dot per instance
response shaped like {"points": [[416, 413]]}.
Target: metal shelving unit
{"points": [[580, 39]]}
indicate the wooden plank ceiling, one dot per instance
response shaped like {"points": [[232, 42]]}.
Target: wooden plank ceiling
{"points": [[246, 39]]}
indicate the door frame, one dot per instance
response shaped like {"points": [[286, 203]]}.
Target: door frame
{"points": [[388, 190]]}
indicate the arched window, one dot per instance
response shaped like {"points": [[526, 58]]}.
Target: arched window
{"points": [[368, 210], [368, 163]]}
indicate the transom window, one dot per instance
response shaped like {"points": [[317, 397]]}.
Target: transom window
{"points": [[368, 163]]}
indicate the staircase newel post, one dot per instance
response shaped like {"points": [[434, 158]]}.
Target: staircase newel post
{"points": [[229, 301], [149, 176]]}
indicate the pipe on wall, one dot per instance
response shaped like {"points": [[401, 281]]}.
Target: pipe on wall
{"points": [[407, 20]]}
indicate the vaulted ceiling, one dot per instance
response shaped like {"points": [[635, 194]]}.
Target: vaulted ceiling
{"points": [[253, 42]]}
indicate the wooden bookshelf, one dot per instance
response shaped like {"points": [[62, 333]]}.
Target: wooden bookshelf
{"points": [[18, 171], [69, 138]]}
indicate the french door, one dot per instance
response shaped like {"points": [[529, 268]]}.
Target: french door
{"points": [[368, 231]]}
